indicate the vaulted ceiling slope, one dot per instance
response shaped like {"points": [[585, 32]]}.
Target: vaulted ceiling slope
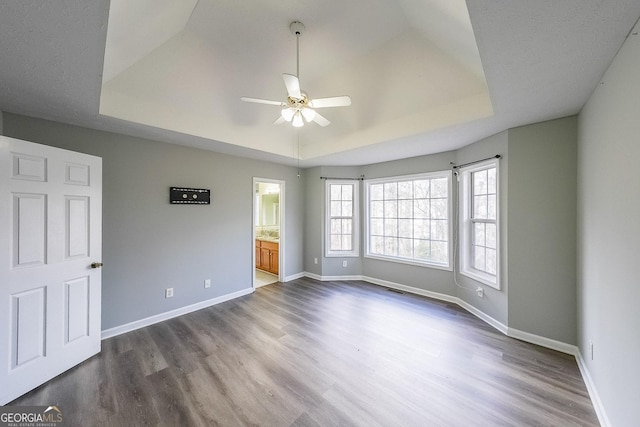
{"points": [[424, 76]]}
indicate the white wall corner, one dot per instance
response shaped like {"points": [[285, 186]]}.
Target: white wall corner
{"points": [[593, 392]]}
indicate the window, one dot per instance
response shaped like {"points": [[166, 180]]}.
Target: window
{"points": [[479, 234], [407, 219], [342, 238]]}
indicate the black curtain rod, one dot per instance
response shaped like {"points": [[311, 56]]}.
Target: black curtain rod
{"points": [[360, 178], [497, 156]]}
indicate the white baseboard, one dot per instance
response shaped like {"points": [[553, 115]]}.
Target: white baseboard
{"points": [[294, 277], [112, 332], [593, 392], [483, 316], [410, 289], [542, 341]]}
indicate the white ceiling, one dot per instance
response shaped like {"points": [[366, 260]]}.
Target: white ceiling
{"points": [[425, 76]]}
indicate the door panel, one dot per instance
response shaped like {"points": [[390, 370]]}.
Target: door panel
{"points": [[29, 227], [50, 233], [28, 341], [76, 309]]}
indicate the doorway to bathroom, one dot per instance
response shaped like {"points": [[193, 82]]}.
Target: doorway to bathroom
{"points": [[268, 231]]}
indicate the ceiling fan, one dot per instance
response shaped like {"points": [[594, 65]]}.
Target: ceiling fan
{"points": [[298, 106]]}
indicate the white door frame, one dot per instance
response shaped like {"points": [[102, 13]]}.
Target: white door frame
{"points": [[281, 213]]}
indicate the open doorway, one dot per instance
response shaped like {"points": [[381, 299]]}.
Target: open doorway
{"points": [[268, 228]]}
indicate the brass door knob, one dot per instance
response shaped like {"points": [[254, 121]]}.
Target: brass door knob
{"points": [[96, 264]]}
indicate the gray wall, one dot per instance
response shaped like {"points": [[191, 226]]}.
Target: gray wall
{"points": [[542, 229], [495, 302], [148, 244], [609, 235]]}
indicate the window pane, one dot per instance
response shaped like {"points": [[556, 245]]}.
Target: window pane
{"points": [[421, 249], [415, 217], [480, 207], [405, 208], [439, 230], [439, 187], [479, 258], [439, 208], [480, 182], [347, 242], [390, 190], [421, 229], [405, 228], [491, 261], [347, 192], [405, 248], [391, 227], [390, 209], [336, 209], [347, 209], [336, 242], [491, 236], [421, 208], [336, 226], [492, 206], [377, 209], [390, 246], [421, 189], [375, 192], [377, 245], [405, 190], [335, 192], [479, 234], [347, 226], [377, 227], [439, 251]]}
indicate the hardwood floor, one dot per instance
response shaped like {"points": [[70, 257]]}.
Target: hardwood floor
{"points": [[309, 353]]}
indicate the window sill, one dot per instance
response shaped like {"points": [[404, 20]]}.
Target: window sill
{"points": [[486, 279], [409, 262], [342, 255]]}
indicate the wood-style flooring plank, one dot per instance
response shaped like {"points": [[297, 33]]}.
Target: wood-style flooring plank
{"points": [[310, 353]]}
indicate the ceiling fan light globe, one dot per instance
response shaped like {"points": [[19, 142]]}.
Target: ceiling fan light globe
{"points": [[288, 113], [308, 114], [297, 120]]}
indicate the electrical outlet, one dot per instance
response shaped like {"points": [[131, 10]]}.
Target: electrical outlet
{"points": [[207, 283], [591, 349], [344, 263], [480, 292], [315, 260], [168, 293]]}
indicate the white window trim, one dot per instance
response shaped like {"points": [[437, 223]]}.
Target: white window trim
{"points": [[356, 219], [465, 231], [427, 175]]}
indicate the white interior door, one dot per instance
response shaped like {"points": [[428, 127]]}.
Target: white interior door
{"points": [[50, 234]]}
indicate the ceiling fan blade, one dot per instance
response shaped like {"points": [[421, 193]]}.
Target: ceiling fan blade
{"points": [[280, 120], [262, 101], [321, 120], [334, 101], [293, 85]]}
